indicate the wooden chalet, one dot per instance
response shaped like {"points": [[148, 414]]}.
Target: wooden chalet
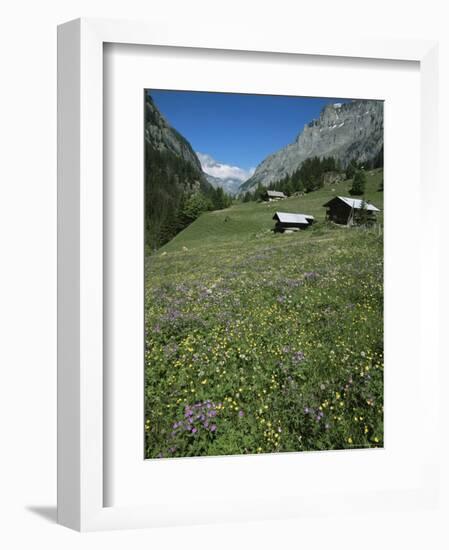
{"points": [[348, 211], [286, 221], [271, 195]]}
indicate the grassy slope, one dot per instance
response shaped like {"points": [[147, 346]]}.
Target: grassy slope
{"points": [[246, 220], [277, 337]]}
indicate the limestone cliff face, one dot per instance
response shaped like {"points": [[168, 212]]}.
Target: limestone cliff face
{"points": [[348, 131]]}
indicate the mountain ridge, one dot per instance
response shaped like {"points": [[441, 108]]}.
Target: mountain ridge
{"points": [[344, 131], [164, 138], [220, 174], [229, 185], [172, 172]]}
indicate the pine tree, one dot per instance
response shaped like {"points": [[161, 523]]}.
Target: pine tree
{"points": [[258, 193], [358, 183], [351, 169], [288, 188]]}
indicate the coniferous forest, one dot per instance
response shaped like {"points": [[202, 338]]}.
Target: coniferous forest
{"points": [[176, 190]]}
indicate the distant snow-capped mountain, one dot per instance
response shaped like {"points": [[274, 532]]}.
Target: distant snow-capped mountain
{"points": [[226, 176], [229, 185]]}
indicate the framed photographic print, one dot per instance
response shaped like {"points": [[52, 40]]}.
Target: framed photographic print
{"points": [[237, 256]]}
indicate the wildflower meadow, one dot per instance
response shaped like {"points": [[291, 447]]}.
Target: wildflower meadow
{"points": [[259, 342]]}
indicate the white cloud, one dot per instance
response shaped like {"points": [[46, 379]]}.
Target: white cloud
{"points": [[220, 170]]}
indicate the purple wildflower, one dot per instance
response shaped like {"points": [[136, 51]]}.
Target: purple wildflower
{"points": [[298, 356]]}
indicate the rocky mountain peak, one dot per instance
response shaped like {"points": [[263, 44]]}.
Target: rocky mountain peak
{"points": [[345, 131]]}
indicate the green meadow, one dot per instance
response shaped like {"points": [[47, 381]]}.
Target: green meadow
{"points": [[260, 342]]}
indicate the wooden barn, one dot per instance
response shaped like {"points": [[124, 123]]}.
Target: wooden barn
{"points": [[348, 211], [286, 221], [271, 195]]}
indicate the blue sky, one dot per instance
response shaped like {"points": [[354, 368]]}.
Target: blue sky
{"points": [[236, 129]]}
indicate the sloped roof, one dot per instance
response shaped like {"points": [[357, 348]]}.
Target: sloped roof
{"points": [[272, 193], [355, 203], [287, 217]]}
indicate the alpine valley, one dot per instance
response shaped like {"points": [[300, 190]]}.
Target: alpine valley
{"points": [[263, 308], [180, 183]]}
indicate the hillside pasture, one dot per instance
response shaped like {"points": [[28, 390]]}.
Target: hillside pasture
{"points": [[259, 342]]}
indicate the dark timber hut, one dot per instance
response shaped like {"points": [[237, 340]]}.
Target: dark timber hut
{"points": [[347, 211], [271, 195], [285, 221]]}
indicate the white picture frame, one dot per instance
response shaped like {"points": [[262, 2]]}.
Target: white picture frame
{"points": [[81, 403]]}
